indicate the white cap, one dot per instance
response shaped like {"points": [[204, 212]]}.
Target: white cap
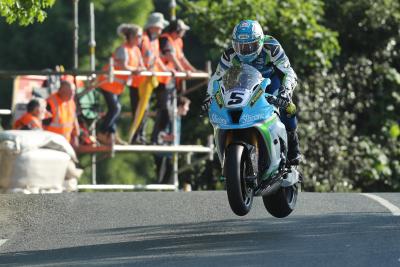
{"points": [[156, 19], [182, 25]]}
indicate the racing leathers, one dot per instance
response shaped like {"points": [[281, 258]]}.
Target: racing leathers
{"points": [[272, 63]]}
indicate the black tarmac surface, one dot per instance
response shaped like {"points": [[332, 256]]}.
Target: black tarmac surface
{"points": [[195, 229]]}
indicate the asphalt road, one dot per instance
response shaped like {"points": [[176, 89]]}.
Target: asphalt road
{"points": [[195, 229]]}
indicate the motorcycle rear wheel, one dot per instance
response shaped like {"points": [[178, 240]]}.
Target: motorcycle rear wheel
{"points": [[282, 202], [240, 196]]}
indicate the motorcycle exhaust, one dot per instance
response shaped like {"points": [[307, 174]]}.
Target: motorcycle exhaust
{"points": [[285, 180], [271, 189]]}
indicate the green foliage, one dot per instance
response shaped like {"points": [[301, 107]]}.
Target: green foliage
{"points": [[24, 12], [364, 25], [50, 43], [346, 55], [324, 131], [130, 168], [110, 14], [296, 24], [363, 150], [345, 52]]}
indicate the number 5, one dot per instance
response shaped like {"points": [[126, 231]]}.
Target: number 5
{"points": [[236, 98]]}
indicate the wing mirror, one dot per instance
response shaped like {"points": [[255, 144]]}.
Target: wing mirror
{"points": [[264, 84]]}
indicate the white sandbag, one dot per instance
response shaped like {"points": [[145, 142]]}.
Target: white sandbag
{"points": [[22, 141], [38, 171], [33, 161]]}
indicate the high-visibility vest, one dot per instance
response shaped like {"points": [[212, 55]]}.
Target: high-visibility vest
{"points": [[180, 55], [177, 44], [29, 121], [137, 56], [118, 85], [71, 79], [151, 54], [64, 116]]}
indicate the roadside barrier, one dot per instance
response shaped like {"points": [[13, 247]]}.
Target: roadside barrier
{"points": [[175, 149]]}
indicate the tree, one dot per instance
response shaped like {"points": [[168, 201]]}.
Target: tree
{"points": [[52, 40], [24, 12], [310, 46], [47, 44], [370, 80], [296, 24], [346, 56]]}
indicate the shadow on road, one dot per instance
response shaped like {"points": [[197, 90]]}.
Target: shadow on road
{"points": [[341, 239]]}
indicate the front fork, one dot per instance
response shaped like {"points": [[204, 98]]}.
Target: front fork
{"points": [[251, 164], [284, 176], [224, 138]]}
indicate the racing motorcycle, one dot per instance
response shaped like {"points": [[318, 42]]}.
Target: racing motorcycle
{"points": [[251, 142]]}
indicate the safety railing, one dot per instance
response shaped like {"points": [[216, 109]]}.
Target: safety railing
{"points": [[175, 149], [5, 112]]}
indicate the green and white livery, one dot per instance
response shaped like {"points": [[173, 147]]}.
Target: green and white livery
{"points": [[252, 142]]}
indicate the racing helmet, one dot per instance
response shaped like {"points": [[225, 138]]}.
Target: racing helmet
{"points": [[247, 40]]}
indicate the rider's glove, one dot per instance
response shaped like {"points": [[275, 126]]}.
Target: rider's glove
{"points": [[284, 94], [206, 104], [285, 97]]}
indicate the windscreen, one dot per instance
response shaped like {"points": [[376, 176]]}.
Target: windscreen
{"points": [[242, 77]]}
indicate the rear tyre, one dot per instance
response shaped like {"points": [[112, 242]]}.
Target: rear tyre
{"points": [[240, 196], [281, 203]]}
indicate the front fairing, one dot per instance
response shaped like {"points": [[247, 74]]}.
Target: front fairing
{"points": [[251, 115], [239, 99], [248, 112]]}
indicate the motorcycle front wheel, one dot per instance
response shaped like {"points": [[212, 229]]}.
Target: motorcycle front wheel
{"points": [[240, 195]]}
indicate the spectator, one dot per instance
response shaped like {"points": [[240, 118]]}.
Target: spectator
{"points": [[150, 44], [171, 46], [60, 117], [32, 119], [183, 109], [126, 57], [164, 167], [62, 107], [151, 55]]}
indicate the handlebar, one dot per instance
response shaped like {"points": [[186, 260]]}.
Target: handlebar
{"points": [[282, 103]]}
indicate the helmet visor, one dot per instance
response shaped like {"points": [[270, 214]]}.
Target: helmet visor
{"points": [[246, 48]]}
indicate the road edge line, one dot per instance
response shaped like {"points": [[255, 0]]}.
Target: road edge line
{"points": [[3, 241], [388, 205]]}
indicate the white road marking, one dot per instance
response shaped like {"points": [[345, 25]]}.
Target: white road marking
{"points": [[3, 241], [393, 209]]}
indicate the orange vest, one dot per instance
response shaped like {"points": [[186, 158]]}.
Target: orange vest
{"points": [[29, 121], [64, 116], [177, 44], [179, 47], [71, 79], [137, 55], [151, 54], [118, 85]]}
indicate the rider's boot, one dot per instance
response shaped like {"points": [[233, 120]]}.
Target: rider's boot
{"points": [[293, 154]]}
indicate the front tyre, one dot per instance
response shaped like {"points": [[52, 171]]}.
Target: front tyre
{"points": [[281, 203], [240, 196]]}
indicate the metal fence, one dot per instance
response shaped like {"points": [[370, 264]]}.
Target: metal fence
{"points": [[175, 149]]}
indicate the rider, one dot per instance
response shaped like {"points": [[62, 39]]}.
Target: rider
{"points": [[252, 47]]}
